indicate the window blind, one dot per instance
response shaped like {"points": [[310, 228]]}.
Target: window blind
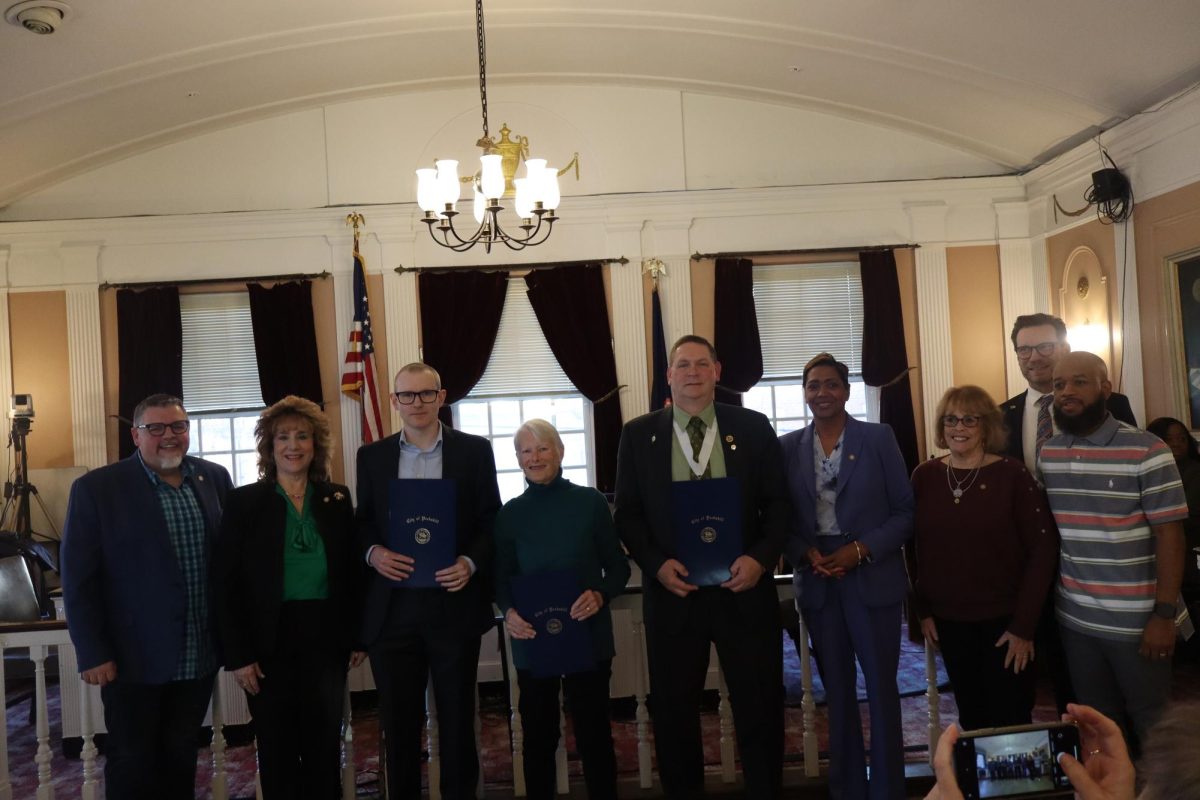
{"points": [[521, 362], [220, 370], [804, 309]]}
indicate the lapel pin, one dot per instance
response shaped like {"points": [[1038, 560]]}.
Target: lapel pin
{"points": [[653, 439], [852, 456], [337, 496], [733, 447], [326, 498], [199, 477]]}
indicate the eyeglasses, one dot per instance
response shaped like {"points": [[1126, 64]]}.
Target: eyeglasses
{"points": [[407, 398], [178, 427], [1043, 349], [968, 421]]}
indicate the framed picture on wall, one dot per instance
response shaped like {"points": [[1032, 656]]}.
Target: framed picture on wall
{"points": [[1188, 285]]}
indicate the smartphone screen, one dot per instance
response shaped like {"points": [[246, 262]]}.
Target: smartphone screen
{"points": [[1014, 762]]}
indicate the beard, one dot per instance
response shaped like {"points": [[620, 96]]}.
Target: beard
{"points": [[1083, 423]]}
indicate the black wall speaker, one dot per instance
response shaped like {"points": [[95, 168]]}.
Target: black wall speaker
{"points": [[1109, 184]]}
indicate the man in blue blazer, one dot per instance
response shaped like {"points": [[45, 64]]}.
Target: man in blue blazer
{"points": [[854, 508], [741, 616], [135, 568], [413, 634]]}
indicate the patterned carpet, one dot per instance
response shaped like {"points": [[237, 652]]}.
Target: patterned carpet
{"points": [[497, 762]]}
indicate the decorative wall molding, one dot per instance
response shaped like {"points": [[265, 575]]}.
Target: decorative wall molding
{"points": [[1131, 381], [6, 375], [629, 337], [348, 408], [402, 318], [933, 304], [1016, 298], [88, 430]]}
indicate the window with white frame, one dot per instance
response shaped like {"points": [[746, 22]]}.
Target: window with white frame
{"points": [[220, 381], [523, 381], [805, 309]]}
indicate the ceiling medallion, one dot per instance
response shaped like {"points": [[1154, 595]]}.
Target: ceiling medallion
{"points": [[535, 196]]}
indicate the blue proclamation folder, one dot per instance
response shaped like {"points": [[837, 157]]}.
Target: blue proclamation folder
{"points": [[707, 523], [562, 645], [422, 524]]}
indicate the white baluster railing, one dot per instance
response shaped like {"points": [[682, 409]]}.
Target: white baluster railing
{"points": [[220, 778], [349, 778], [45, 790], [91, 784], [934, 697], [725, 722], [808, 706]]}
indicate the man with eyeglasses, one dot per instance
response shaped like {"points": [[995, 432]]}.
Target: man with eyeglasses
{"points": [[1040, 341], [413, 634], [135, 569]]}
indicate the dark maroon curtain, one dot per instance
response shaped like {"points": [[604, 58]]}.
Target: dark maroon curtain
{"points": [[460, 316], [885, 359], [149, 351], [571, 308], [285, 341], [736, 329]]}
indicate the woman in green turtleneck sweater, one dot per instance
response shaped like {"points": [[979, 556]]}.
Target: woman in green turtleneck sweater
{"points": [[557, 525]]}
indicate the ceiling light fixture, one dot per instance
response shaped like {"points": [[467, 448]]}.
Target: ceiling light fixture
{"points": [[535, 195], [38, 16]]}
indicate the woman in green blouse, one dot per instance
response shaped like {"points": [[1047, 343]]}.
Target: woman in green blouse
{"points": [[287, 598], [556, 525]]}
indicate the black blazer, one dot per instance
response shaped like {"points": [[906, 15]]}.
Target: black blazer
{"points": [[643, 503], [468, 460], [1014, 415], [249, 576]]}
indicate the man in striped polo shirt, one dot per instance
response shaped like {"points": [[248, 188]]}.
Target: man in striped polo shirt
{"points": [[1117, 499]]}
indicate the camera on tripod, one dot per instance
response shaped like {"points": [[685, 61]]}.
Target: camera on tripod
{"points": [[20, 411], [16, 530]]}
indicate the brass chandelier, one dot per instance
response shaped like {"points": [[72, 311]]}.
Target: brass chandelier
{"points": [[535, 195]]}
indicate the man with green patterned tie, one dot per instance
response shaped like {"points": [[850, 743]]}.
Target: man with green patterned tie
{"points": [[697, 439]]}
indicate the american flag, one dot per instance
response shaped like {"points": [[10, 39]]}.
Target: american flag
{"points": [[358, 379]]}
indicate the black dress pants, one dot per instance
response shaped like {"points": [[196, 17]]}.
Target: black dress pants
{"points": [[587, 703], [987, 694], [150, 750], [418, 643], [751, 655], [298, 710]]}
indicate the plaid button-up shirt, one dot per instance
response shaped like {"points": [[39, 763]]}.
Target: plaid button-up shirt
{"points": [[185, 526]]}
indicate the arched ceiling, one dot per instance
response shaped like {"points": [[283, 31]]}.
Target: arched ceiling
{"points": [[1014, 82]]}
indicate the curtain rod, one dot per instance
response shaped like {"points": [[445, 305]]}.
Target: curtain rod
{"points": [[812, 251], [295, 276], [517, 267]]}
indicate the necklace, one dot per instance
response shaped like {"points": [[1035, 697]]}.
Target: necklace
{"points": [[299, 496], [959, 487]]}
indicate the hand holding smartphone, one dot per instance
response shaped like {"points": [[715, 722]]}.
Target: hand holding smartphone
{"points": [[1017, 762]]}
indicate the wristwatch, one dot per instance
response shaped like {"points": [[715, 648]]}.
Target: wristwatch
{"points": [[1164, 610]]}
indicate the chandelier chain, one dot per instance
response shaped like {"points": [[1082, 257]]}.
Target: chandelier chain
{"points": [[482, 65]]}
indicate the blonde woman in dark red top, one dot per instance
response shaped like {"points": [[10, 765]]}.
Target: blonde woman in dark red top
{"points": [[985, 553]]}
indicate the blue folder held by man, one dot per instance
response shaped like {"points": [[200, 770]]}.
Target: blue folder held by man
{"points": [[423, 525], [707, 520]]}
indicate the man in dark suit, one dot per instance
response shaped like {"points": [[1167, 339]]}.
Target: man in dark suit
{"points": [[1040, 340], [741, 616], [135, 565], [412, 634]]}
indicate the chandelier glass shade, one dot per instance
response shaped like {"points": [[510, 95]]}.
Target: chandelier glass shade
{"points": [[535, 194]]}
